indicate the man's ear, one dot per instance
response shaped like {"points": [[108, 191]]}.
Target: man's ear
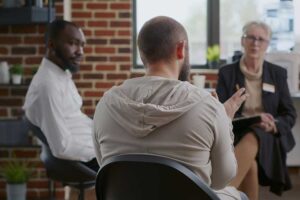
{"points": [[180, 50], [51, 48], [51, 44]]}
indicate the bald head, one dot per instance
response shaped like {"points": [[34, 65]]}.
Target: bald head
{"points": [[158, 38]]}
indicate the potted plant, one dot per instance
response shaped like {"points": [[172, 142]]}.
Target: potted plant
{"points": [[213, 56], [16, 173], [16, 72]]}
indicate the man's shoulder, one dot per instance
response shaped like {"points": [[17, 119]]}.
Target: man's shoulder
{"points": [[45, 84], [203, 96]]}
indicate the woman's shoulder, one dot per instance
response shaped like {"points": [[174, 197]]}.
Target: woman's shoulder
{"points": [[274, 67], [277, 72], [229, 68]]}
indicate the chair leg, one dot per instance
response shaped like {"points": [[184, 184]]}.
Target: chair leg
{"points": [[51, 189], [81, 194]]}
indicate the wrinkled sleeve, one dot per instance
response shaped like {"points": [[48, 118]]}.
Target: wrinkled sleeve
{"points": [[97, 128], [95, 138], [97, 149], [61, 142], [224, 165]]}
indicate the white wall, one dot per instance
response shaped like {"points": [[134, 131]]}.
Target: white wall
{"points": [[293, 157], [297, 24], [67, 10]]}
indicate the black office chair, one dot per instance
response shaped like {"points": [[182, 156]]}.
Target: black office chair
{"points": [[149, 177], [69, 173]]}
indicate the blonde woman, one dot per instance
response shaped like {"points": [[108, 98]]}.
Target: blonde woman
{"points": [[260, 149]]}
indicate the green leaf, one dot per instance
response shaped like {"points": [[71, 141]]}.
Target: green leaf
{"points": [[16, 171], [16, 69], [213, 53]]}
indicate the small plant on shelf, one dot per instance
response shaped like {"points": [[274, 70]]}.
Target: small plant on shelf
{"points": [[16, 72], [16, 172], [16, 69]]}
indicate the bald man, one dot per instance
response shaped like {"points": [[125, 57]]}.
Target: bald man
{"points": [[163, 114]]}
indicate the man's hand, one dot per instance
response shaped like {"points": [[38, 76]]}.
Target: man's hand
{"points": [[214, 94], [234, 102]]}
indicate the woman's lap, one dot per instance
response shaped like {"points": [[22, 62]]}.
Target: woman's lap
{"points": [[271, 158]]}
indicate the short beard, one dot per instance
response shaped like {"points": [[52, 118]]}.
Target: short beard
{"points": [[185, 70], [67, 65]]}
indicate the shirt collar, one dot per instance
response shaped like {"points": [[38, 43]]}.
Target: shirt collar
{"points": [[56, 69]]}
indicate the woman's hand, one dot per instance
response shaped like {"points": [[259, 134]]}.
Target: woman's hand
{"points": [[267, 123], [234, 102]]}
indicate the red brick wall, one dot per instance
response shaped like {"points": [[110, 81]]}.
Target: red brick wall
{"points": [[108, 59], [108, 54], [24, 44], [21, 44], [107, 26]]}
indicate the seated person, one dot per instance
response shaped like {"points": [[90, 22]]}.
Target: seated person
{"points": [[52, 101], [261, 149], [161, 113]]}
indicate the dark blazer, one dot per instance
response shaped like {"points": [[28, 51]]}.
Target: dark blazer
{"points": [[279, 103]]}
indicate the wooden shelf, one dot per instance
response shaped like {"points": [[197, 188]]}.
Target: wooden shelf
{"points": [[25, 15]]}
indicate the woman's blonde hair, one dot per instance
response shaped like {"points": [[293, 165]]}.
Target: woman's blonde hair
{"points": [[261, 24]]}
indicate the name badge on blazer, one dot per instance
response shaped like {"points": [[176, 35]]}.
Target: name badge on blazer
{"points": [[268, 87]]}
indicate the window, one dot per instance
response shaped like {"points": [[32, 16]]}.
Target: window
{"points": [[235, 13], [191, 13], [226, 31]]}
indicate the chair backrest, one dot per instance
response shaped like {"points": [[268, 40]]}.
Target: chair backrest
{"points": [[149, 177], [72, 173]]}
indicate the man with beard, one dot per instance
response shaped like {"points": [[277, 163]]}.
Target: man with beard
{"points": [[52, 102], [161, 113]]}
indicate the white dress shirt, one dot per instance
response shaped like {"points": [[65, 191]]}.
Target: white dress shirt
{"points": [[53, 104]]}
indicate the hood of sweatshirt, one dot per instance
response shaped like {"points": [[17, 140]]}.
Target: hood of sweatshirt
{"points": [[141, 105]]}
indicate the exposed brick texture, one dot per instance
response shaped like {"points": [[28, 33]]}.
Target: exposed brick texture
{"points": [[24, 44], [107, 25], [108, 53]]}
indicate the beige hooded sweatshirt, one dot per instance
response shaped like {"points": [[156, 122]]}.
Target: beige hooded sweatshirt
{"points": [[170, 118]]}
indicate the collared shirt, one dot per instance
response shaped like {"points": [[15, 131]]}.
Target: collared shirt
{"points": [[53, 104]]}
